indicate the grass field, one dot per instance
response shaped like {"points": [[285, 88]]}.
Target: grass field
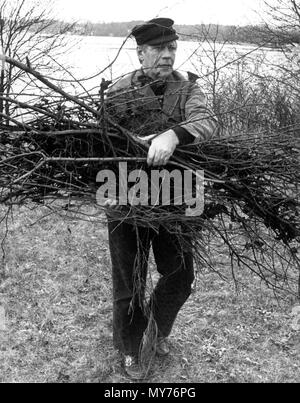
{"points": [[55, 299]]}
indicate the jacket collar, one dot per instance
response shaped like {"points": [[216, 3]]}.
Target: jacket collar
{"points": [[171, 95]]}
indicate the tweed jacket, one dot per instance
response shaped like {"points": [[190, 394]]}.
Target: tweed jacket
{"points": [[182, 104]]}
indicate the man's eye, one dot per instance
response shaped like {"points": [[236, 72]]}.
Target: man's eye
{"points": [[171, 48]]}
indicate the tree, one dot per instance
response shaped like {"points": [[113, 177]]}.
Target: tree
{"points": [[281, 21], [282, 24], [29, 34]]}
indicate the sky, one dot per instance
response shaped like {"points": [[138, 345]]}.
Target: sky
{"points": [[227, 12]]}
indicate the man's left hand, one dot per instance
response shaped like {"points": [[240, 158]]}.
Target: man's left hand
{"points": [[161, 148]]}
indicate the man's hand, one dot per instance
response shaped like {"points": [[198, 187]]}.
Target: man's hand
{"points": [[161, 148], [110, 203]]}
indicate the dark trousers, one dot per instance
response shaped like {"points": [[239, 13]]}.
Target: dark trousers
{"points": [[129, 248]]}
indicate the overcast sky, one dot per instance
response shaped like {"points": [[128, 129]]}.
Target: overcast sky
{"points": [[237, 12]]}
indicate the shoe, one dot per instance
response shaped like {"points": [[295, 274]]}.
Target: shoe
{"points": [[162, 347], [132, 368]]}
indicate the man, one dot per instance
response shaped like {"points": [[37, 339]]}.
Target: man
{"points": [[162, 107]]}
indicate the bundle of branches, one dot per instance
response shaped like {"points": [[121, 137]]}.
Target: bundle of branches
{"points": [[251, 181]]}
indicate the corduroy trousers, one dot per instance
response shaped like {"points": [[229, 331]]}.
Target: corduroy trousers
{"points": [[129, 249]]}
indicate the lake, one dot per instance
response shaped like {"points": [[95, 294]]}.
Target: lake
{"points": [[112, 57], [88, 59]]}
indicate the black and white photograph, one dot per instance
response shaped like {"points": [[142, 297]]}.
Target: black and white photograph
{"points": [[149, 194]]}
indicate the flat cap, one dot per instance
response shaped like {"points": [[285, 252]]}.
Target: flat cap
{"points": [[155, 32]]}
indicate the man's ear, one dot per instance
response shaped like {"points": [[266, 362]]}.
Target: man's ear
{"points": [[140, 54]]}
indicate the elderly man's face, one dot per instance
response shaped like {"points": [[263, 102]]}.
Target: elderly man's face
{"points": [[158, 61]]}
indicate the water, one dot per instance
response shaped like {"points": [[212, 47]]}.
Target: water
{"points": [[112, 57], [89, 59]]}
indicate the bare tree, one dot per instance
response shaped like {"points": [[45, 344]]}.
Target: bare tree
{"points": [[282, 26], [29, 34], [280, 23]]}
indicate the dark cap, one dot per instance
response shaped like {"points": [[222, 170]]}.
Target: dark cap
{"points": [[155, 32]]}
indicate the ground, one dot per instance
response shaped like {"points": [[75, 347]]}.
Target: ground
{"points": [[56, 326]]}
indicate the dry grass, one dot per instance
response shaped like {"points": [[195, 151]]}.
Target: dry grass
{"points": [[56, 291]]}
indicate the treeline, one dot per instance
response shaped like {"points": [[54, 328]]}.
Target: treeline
{"points": [[220, 33], [251, 34]]}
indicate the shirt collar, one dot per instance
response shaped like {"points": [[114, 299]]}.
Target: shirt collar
{"points": [[156, 85]]}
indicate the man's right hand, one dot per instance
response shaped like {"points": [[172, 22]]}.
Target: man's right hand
{"points": [[110, 203], [161, 148]]}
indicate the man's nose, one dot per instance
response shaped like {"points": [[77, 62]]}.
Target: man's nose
{"points": [[166, 53]]}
